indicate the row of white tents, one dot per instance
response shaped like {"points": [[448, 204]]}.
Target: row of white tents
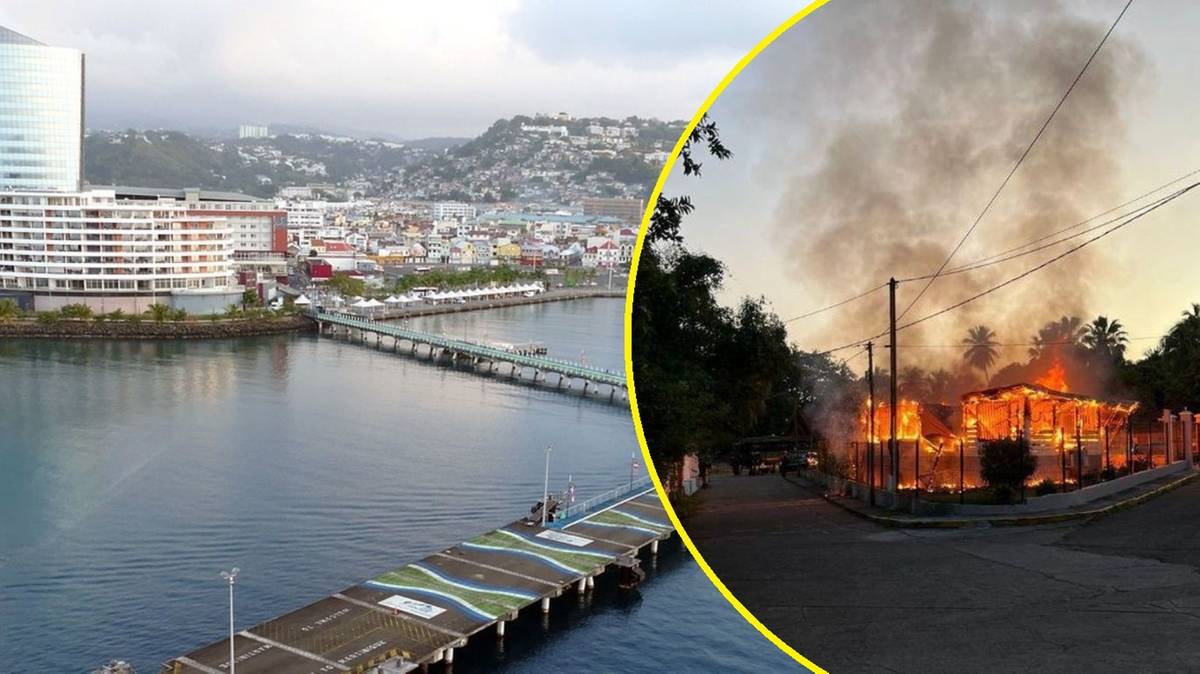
{"points": [[439, 297]]}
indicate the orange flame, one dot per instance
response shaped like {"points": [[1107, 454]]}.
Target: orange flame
{"points": [[1055, 378]]}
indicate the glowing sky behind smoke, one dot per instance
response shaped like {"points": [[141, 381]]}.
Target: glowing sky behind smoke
{"points": [[844, 127]]}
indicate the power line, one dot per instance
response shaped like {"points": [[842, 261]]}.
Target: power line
{"points": [[1074, 226], [1052, 260], [988, 262], [1005, 254], [1017, 165], [838, 304], [1128, 220]]}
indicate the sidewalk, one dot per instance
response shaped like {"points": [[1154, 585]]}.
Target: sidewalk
{"points": [[1100, 507]]}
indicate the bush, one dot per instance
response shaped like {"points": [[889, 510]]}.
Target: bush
{"points": [[1004, 494], [76, 311], [48, 317], [117, 315], [9, 310], [1006, 462], [178, 315], [1108, 473], [1046, 486], [159, 312]]}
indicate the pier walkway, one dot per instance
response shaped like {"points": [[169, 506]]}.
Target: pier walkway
{"points": [[490, 356], [418, 614]]}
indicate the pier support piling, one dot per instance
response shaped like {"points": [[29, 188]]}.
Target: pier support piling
{"points": [[591, 582], [545, 604], [654, 547], [500, 628]]}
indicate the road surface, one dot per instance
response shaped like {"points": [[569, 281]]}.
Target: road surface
{"points": [[1119, 594]]}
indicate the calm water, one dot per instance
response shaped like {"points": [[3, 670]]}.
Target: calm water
{"points": [[132, 473]]}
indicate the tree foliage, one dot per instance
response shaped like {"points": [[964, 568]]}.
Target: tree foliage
{"points": [[1006, 462]]}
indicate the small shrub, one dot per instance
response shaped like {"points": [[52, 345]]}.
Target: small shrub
{"points": [[9, 310], [1004, 494], [179, 315], [1007, 462], [76, 311], [48, 317], [1046, 486]]}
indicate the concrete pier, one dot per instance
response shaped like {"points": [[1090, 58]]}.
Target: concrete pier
{"points": [[440, 347], [418, 614]]}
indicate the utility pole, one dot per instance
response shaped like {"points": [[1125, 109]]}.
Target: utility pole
{"points": [[893, 446], [871, 423]]}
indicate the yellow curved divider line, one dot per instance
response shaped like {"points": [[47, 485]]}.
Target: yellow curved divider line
{"points": [[637, 253]]}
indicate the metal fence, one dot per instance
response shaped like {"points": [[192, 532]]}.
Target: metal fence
{"points": [[584, 507]]}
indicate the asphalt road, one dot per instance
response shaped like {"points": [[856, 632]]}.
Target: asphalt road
{"points": [[1118, 594]]}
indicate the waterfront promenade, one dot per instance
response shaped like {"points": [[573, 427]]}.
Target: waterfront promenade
{"points": [[418, 614]]}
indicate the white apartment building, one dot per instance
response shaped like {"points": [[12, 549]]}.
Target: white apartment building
{"points": [[91, 248], [253, 131], [445, 210], [257, 227], [305, 220]]}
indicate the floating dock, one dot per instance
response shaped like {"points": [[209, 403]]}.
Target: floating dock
{"points": [[417, 615]]}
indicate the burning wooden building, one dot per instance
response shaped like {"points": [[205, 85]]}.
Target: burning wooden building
{"points": [[1068, 433], [938, 445]]}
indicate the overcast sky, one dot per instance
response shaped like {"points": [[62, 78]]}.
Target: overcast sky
{"points": [[405, 68], [839, 132]]}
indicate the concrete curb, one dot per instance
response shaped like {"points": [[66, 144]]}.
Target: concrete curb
{"points": [[1010, 520]]}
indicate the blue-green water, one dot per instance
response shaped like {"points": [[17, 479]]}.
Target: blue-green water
{"points": [[132, 473]]}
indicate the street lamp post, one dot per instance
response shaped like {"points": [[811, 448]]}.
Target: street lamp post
{"points": [[546, 488], [230, 576]]}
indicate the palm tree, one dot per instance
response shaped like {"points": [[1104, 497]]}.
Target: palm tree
{"points": [[912, 383], [1065, 332], [159, 312], [1107, 337], [940, 382], [981, 349]]}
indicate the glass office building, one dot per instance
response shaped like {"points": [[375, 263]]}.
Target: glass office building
{"points": [[41, 115]]}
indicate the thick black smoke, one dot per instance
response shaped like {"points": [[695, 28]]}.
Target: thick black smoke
{"points": [[920, 110]]}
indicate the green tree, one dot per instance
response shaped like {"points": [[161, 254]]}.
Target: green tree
{"points": [[250, 298], [8, 310], [158, 312], [347, 285], [1006, 462], [981, 349]]}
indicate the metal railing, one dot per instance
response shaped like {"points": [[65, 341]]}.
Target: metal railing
{"points": [[612, 495], [598, 375]]}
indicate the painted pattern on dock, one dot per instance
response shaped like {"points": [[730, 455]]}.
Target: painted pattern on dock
{"points": [[420, 609]]}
